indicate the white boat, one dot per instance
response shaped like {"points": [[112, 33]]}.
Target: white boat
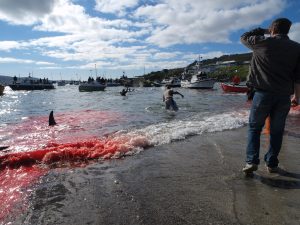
{"points": [[199, 79], [172, 82], [91, 86]]}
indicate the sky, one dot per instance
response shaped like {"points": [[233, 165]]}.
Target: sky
{"points": [[75, 39]]}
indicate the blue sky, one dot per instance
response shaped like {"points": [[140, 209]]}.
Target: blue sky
{"points": [[68, 39]]}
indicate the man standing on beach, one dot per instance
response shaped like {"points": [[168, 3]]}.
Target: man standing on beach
{"points": [[168, 98], [275, 76]]}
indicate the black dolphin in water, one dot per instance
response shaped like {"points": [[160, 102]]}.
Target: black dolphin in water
{"points": [[3, 147], [51, 119], [51, 123]]}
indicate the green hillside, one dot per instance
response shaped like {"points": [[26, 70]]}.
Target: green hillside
{"points": [[220, 74]]}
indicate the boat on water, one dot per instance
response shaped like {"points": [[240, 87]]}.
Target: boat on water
{"points": [[156, 84], [200, 80], [61, 83], [230, 87], [1, 89], [30, 83], [172, 82], [91, 86], [112, 84]]}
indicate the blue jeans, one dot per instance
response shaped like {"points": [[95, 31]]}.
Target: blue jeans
{"points": [[170, 103], [277, 107]]}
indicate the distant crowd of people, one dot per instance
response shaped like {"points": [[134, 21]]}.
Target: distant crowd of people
{"points": [[100, 80], [32, 81]]}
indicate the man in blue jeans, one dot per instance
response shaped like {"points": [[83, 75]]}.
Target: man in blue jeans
{"points": [[274, 76]]}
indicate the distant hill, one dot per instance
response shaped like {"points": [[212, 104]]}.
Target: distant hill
{"points": [[5, 79], [238, 58]]}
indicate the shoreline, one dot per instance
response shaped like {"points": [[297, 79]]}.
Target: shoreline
{"points": [[195, 181]]}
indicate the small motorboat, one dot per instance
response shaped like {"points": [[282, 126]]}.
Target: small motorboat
{"points": [[91, 86], [61, 83], [195, 78], [238, 88], [199, 81]]}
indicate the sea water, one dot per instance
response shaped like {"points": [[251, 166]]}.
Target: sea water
{"points": [[95, 126]]}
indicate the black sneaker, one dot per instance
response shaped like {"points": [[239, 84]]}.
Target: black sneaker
{"points": [[273, 169]]}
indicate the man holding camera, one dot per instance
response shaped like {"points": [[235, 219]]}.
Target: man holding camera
{"points": [[275, 76]]}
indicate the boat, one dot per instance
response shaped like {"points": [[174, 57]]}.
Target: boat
{"points": [[238, 88], [156, 84], [91, 86], [61, 83], [30, 83], [112, 84], [172, 82], [1, 89], [198, 80]]}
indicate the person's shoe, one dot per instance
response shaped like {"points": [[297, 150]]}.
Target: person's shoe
{"points": [[273, 169], [250, 168]]}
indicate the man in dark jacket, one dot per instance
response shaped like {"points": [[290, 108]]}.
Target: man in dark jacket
{"points": [[274, 75]]}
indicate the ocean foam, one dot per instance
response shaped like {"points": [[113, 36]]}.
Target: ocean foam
{"points": [[163, 133]]}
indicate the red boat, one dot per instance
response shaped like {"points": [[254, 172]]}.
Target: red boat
{"points": [[234, 88]]}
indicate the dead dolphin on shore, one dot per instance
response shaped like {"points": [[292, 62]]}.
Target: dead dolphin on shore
{"points": [[51, 119]]}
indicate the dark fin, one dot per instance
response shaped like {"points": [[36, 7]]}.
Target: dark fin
{"points": [[51, 119], [3, 147]]}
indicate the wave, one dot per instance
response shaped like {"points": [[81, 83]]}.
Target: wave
{"points": [[125, 142]]}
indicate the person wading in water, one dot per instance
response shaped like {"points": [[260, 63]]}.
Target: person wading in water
{"points": [[168, 98]]}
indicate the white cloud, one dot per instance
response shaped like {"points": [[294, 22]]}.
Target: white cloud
{"points": [[9, 45], [165, 55], [25, 12], [134, 41], [193, 21], [115, 6], [295, 32], [23, 61]]}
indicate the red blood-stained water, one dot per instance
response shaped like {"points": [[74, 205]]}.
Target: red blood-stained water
{"points": [[78, 137], [14, 187], [79, 151], [34, 132], [295, 109]]}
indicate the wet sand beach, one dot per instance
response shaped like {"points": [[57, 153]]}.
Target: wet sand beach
{"points": [[195, 181]]}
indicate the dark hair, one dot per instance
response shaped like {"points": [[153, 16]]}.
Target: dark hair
{"points": [[281, 26]]}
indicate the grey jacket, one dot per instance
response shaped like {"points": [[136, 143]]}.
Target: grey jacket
{"points": [[275, 64]]}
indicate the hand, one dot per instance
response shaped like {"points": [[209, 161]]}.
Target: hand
{"points": [[294, 101], [259, 31], [182, 96], [267, 31]]}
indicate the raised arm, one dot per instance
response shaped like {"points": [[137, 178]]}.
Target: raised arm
{"points": [[177, 93], [251, 38]]}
